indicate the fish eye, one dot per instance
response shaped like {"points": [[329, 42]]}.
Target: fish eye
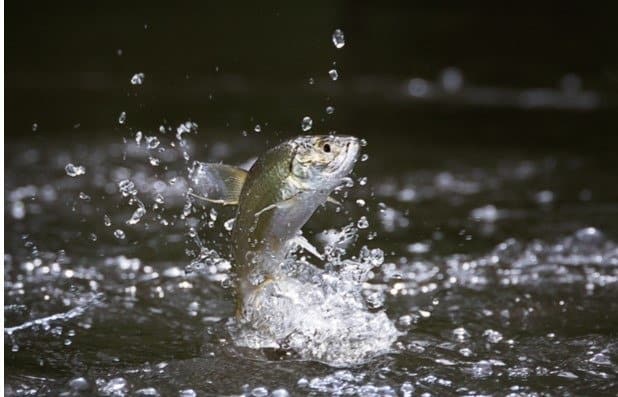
{"points": [[327, 148]]}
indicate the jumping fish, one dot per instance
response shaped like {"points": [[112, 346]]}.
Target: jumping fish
{"points": [[275, 198]]}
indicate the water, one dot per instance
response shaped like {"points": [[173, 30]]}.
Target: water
{"points": [[475, 253], [489, 288]]}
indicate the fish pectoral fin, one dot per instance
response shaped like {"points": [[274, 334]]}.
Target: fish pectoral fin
{"points": [[217, 183], [302, 242], [332, 200], [280, 204]]}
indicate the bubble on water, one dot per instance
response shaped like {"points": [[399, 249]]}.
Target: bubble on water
{"points": [[589, 235], [544, 197], [362, 223], [119, 234], [84, 196], [18, 209], [74, 170], [461, 334], [306, 124], [257, 128], [488, 213], [417, 248], [334, 75], [122, 118], [127, 188], [451, 79], [137, 215], [330, 109], [418, 87], [229, 224], [259, 392], [115, 387], [79, 384], [600, 359], [482, 369], [152, 142], [138, 79], [148, 392], [107, 221], [407, 389], [492, 336], [338, 38]]}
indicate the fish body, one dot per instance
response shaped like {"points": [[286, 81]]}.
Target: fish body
{"points": [[275, 198]]}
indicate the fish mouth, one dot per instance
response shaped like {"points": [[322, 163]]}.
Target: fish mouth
{"points": [[344, 163]]}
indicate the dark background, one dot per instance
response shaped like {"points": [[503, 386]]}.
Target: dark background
{"points": [[228, 66]]}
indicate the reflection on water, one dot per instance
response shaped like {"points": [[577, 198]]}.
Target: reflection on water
{"points": [[499, 272]]}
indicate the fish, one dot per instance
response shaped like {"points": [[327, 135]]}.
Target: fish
{"points": [[274, 199]]}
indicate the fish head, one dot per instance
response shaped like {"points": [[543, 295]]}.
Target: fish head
{"points": [[320, 162]]}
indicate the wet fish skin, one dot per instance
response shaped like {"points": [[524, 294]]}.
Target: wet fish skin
{"points": [[275, 198]]}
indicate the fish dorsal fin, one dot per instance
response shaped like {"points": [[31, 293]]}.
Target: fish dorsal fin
{"points": [[217, 183]]}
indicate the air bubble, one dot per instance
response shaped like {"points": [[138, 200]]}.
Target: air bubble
{"points": [[330, 109], [362, 223], [122, 118], [334, 75], [119, 234]]}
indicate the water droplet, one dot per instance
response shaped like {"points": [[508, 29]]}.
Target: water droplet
{"points": [[159, 198], [138, 79], [229, 224], [74, 170], [84, 196], [364, 157], [311, 81], [334, 75], [122, 118], [451, 79], [93, 237], [119, 234], [257, 128], [306, 124], [67, 342], [363, 142], [35, 126], [152, 142], [338, 38], [127, 188], [187, 393], [330, 109], [107, 220], [362, 180], [137, 216], [138, 137], [360, 202], [492, 336], [418, 87], [362, 223]]}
